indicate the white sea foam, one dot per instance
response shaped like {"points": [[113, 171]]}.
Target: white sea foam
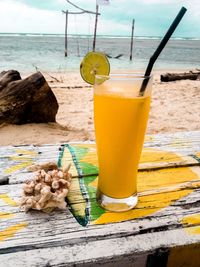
{"points": [[25, 51]]}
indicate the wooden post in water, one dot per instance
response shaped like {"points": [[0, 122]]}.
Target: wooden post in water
{"points": [[95, 27], [132, 33], [82, 11], [66, 24]]}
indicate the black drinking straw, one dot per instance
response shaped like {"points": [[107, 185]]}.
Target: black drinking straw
{"points": [[160, 48]]}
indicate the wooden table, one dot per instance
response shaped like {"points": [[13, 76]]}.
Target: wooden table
{"points": [[164, 229]]}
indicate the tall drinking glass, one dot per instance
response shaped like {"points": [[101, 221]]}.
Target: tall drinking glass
{"points": [[120, 118]]}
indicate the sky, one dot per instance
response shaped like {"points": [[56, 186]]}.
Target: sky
{"points": [[152, 17]]}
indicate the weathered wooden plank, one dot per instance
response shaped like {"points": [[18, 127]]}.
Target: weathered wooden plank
{"points": [[157, 189], [59, 235], [98, 253], [75, 256], [183, 142], [14, 161], [167, 217]]}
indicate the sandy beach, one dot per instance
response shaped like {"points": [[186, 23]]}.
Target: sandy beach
{"points": [[174, 107]]}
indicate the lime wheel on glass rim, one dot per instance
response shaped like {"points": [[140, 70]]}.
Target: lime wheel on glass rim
{"points": [[92, 64]]}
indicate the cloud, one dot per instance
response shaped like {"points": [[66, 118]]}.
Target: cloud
{"points": [[44, 4], [153, 17], [18, 17], [58, 4], [28, 16]]}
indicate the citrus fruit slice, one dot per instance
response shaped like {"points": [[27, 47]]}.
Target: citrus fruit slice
{"points": [[94, 63]]}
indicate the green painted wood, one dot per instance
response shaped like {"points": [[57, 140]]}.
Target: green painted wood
{"points": [[56, 239]]}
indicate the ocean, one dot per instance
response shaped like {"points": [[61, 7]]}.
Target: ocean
{"points": [[28, 52]]}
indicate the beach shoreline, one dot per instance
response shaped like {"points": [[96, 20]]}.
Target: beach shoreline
{"points": [[174, 107]]}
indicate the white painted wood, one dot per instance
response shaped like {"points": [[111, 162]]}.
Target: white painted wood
{"points": [[61, 224], [185, 144], [56, 239], [96, 253]]}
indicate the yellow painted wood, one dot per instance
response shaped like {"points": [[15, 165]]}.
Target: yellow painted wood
{"points": [[18, 167], [9, 201], [193, 219], [147, 205], [78, 203], [179, 142], [191, 224], [11, 231], [156, 189], [67, 158], [90, 157], [149, 138], [5, 215], [151, 158], [198, 154], [110, 244], [151, 155], [26, 152], [20, 158]]}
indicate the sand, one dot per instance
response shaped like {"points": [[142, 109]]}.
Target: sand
{"points": [[174, 107]]}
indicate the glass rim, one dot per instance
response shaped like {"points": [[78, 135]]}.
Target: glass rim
{"points": [[121, 76]]}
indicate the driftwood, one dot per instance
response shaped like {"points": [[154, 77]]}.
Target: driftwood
{"points": [[26, 100], [118, 56], [169, 77]]}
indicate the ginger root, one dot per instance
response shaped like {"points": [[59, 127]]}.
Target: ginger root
{"points": [[47, 190]]}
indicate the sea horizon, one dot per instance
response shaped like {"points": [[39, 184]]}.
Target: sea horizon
{"points": [[29, 34], [27, 52]]}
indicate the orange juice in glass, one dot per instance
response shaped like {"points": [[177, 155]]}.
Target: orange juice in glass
{"points": [[120, 118]]}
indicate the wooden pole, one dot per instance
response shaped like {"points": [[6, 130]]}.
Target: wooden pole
{"points": [[95, 28], [82, 11], [132, 33], [66, 24]]}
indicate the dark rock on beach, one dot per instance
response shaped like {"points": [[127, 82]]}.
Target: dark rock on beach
{"points": [[28, 100]]}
